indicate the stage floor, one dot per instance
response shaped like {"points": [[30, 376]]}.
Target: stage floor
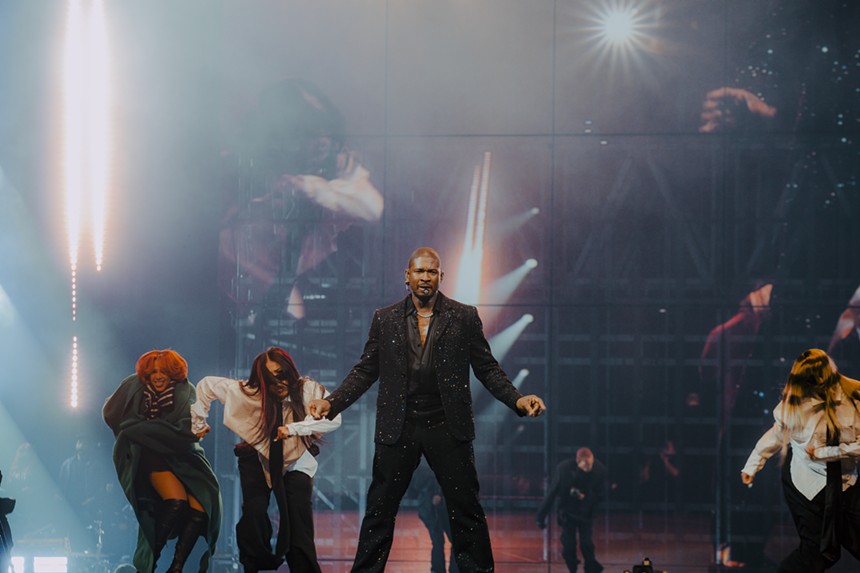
{"points": [[680, 544]]}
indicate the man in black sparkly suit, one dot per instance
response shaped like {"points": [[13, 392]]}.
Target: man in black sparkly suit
{"points": [[420, 349]]}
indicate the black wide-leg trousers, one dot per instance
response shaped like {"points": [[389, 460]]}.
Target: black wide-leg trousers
{"points": [[453, 463], [254, 529]]}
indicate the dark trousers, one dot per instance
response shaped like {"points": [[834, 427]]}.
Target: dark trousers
{"points": [[254, 529], [585, 527], [435, 519], [453, 463], [808, 518]]}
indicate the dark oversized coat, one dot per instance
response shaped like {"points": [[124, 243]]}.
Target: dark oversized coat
{"points": [[171, 438], [459, 345]]}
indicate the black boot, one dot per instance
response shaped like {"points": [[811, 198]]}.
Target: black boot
{"points": [[193, 528], [171, 512]]}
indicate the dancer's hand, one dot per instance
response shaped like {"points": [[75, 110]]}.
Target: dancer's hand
{"points": [[746, 479], [319, 408]]}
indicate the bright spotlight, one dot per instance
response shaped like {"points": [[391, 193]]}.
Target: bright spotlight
{"points": [[468, 285], [86, 128], [503, 288], [502, 342], [619, 26], [518, 379], [619, 34], [50, 564], [534, 211]]}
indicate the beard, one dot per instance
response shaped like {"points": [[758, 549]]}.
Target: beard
{"points": [[423, 297]]}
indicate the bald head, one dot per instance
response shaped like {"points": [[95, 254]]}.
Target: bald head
{"points": [[425, 252], [424, 275], [584, 459]]}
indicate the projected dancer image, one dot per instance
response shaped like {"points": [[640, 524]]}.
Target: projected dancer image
{"points": [[269, 411], [816, 426], [421, 349], [306, 188], [162, 469]]}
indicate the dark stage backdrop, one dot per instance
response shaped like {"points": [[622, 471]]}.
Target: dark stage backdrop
{"points": [[683, 261]]}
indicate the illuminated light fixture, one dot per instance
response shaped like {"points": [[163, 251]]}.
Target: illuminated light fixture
{"points": [[52, 564], [502, 342], [86, 104], [503, 288], [619, 26], [86, 127], [468, 285], [58, 564], [619, 34], [520, 377], [515, 223], [73, 383]]}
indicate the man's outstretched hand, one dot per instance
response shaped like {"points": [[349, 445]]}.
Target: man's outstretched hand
{"points": [[531, 405], [319, 408]]}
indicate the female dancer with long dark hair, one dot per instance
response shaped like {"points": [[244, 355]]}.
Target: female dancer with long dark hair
{"points": [[816, 426], [277, 454]]}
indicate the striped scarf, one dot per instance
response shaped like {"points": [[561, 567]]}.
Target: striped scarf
{"points": [[155, 402]]}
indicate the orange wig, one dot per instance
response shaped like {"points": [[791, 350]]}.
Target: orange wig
{"points": [[170, 361]]}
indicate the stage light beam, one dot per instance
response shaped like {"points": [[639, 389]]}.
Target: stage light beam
{"points": [[86, 152], [468, 287], [502, 342], [503, 288], [520, 377]]}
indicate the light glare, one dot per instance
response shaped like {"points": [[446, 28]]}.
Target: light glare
{"points": [[86, 105], [618, 26], [468, 286]]}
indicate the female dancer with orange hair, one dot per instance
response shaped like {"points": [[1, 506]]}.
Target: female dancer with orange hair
{"points": [[162, 469]]}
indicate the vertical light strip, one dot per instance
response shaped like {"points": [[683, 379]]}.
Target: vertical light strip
{"points": [[73, 138], [98, 115], [73, 382], [480, 222], [468, 288], [86, 143]]}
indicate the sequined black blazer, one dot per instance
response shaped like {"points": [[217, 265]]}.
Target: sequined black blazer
{"points": [[460, 344]]}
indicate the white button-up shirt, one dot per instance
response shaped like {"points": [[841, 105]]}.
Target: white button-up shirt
{"points": [[809, 475], [242, 414]]}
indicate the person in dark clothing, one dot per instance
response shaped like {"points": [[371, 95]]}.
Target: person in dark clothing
{"points": [[86, 480], [7, 505], [421, 350], [433, 513], [579, 485]]}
